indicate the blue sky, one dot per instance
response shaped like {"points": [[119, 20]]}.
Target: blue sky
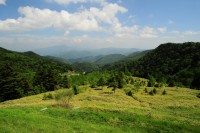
{"points": [[35, 24]]}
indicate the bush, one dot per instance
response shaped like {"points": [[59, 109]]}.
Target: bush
{"points": [[76, 90], [93, 86], [151, 93], [164, 92], [63, 97], [198, 95], [47, 97], [154, 91], [145, 90], [128, 92]]}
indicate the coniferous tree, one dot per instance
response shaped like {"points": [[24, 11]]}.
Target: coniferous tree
{"points": [[9, 84]]}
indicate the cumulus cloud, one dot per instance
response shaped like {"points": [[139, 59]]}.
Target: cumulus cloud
{"points": [[2, 2], [90, 19], [77, 1], [103, 19]]}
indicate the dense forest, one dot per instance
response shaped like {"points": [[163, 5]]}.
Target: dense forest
{"points": [[170, 64], [174, 64], [27, 73]]}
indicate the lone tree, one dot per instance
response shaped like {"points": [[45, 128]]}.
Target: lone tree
{"points": [[152, 81]]}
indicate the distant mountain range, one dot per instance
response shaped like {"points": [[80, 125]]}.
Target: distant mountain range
{"points": [[81, 55], [97, 56]]}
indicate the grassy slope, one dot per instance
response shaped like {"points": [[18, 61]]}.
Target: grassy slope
{"points": [[178, 111]]}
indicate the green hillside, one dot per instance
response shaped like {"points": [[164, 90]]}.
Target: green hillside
{"points": [[27, 73], [97, 111], [176, 64], [100, 59], [137, 55], [107, 99], [30, 61]]}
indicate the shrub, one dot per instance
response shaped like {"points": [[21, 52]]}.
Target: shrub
{"points": [[93, 86], [76, 90], [164, 92], [145, 90], [63, 97], [151, 93], [47, 97], [198, 95], [128, 92], [154, 91]]}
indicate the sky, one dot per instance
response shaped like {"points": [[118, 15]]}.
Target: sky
{"points": [[35, 24]]}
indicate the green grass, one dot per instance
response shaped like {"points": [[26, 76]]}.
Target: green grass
{"points": [[177, 111]]}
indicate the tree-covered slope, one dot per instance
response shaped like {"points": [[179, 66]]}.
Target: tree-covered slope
{"points": [[30, 61], [176, 64], [23, 74]]}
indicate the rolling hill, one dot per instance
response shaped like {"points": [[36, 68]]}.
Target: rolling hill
{"points": [[100, 59], [95, 111], [27, 73], [176, 64], [30, 61]]}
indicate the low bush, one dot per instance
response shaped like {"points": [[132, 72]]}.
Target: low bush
{"points": [[47, 96], [63, 97], [128, 92], [145, 90], [164, 92], [76, 90], [151, 93], [154, 90], [198, 95]]}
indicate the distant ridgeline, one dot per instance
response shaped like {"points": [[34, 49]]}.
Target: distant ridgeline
{"points": [[23, 74], [175, 64]]}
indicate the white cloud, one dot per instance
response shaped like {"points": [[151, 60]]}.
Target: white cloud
{"points": [[76, 1], [162, 29], [85, 20], [148, 32], [2, 2]]}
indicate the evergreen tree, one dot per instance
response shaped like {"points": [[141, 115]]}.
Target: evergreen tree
{"points": [[66, 82], [152, 81], [10, 86], [47, 78]]}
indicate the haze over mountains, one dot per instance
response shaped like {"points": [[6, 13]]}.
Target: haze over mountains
{"points": [[99, 56]]}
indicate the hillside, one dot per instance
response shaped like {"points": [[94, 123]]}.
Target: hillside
{"points": [[30, 61], [27, 73], [100, 59], [137, 55], [96, 111], [176, 64]]}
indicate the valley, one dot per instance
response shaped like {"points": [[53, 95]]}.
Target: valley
{"points": [[48, 94]]}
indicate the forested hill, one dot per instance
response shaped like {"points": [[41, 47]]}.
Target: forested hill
{"points": [[23, 74], [30, 61], [176, 64]]}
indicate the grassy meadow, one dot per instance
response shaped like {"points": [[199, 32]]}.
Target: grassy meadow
{"points": [[94, 111]]}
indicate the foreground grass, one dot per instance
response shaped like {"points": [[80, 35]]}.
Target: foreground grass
{"points": [[178, 111]]}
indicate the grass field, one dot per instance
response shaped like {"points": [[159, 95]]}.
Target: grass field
{"points": [[95, 111]]}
